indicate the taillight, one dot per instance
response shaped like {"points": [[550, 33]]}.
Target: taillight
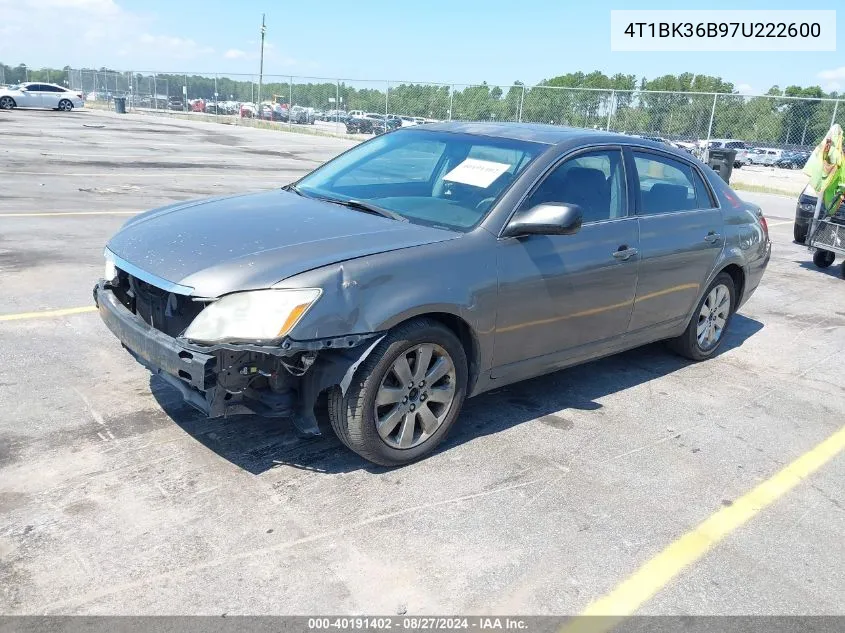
{"points": [[765, 225]]}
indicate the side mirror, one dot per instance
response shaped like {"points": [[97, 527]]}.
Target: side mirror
{"points": [[552, 218]]}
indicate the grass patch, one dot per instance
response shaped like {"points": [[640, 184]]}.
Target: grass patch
{"points": [[743, 186]]}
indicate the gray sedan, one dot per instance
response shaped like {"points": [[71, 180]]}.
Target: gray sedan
{"points": [[426, 266]]}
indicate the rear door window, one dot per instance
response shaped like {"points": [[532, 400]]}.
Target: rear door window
{"points": [[703, 194], [666, 184]]}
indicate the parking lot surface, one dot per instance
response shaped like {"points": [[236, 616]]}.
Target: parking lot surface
{"points": [[115, 498]]}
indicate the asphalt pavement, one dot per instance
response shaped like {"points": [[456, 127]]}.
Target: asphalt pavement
{"points": [[116, 498]]}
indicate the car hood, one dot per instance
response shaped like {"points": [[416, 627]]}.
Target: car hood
{"points": [[254, 241]]}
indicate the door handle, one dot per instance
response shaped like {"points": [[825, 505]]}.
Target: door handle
{"points": [[625, 253], [712, 238]]}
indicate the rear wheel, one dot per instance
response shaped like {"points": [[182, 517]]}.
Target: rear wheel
{"points": [[405, 396], [711, 318], [823, 259], [65, 105], [7, 103]]}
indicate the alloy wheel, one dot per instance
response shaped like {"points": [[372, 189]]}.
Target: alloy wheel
{"points": [[6, 103], [713, 316], [415, 396]]}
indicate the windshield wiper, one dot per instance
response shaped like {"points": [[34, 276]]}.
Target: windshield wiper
{"points": [[293, 189], [367, 208]]}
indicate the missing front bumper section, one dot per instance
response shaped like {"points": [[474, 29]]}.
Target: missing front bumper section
{"points": [[231, 379]]}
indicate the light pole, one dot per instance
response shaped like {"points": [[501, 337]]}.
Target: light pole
{"points": [[261, 64]]}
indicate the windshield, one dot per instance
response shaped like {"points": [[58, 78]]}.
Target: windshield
{"points": [[435, 178]]}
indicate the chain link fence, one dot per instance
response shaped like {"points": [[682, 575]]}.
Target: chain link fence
{"points": [[334, 105]]}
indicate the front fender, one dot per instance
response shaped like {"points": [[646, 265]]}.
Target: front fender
{"points": [[377, 292]]}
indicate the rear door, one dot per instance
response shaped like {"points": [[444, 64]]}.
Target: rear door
{"points": [[51, 95], [681, 235]]}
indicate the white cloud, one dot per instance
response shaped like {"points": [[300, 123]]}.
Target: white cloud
{"points": [[744, 89], [177, 47], [97, 33], [91, 33], [834, 78]]}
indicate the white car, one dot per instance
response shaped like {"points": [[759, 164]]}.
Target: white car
{"points": [[764, 156], [40, 95]]}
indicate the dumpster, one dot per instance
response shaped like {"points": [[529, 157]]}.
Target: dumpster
{"points": [[721, 160], [120, 105]]}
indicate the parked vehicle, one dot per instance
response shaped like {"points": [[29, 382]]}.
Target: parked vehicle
{"points": [[273, 112], [382, 124], [429, 265], [741, 148], [361, 125], [764, 156], [804, 210], [333, 116], [298, 114], [792, 160], [40, 95], [176, 104], [247, 110]]}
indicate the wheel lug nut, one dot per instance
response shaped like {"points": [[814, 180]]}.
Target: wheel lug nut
{"points": [[405, 399], [412, 407], [422, 398], [411, 385], [422, 383]]}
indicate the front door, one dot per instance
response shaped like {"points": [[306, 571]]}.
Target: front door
{"points": [[30, 96], [681, 235], [560, 292]]}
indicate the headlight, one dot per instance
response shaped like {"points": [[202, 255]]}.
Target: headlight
{"points": [[110, 271], [258, 315]]}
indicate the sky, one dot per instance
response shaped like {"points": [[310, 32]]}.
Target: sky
{"points": [[448, 41]]}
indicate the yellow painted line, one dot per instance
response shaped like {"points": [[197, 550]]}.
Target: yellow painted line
{"points": [[44, 214], [46, 314], [658, 572]]}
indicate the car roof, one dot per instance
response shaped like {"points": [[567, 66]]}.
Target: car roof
{"points": [[41, 83], [548, 134]]}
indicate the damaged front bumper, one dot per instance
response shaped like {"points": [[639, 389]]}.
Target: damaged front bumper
{"points": [[229, 379]]}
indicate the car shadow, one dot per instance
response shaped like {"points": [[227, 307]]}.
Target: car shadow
{"points": [[834, 270], [258, 444]]}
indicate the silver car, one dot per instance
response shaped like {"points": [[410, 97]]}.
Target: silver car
{"points": [[426, 266], [40, 95]]}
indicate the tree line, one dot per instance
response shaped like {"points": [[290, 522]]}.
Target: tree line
{"points": [[672, 106]]}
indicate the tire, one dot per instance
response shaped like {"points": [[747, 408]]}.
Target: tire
{"points": [[354, 418], [800, 233], [7, 103], [65, 105], [690, 344], [842, 270], [823, 259]]}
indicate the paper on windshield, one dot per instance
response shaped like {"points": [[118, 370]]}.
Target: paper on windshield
{"points": [[477, 173]]}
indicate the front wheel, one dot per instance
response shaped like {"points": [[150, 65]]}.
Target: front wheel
{"points": [[823, 259], [405, 396], [711, 318], [65, 105], [7, 103]]}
